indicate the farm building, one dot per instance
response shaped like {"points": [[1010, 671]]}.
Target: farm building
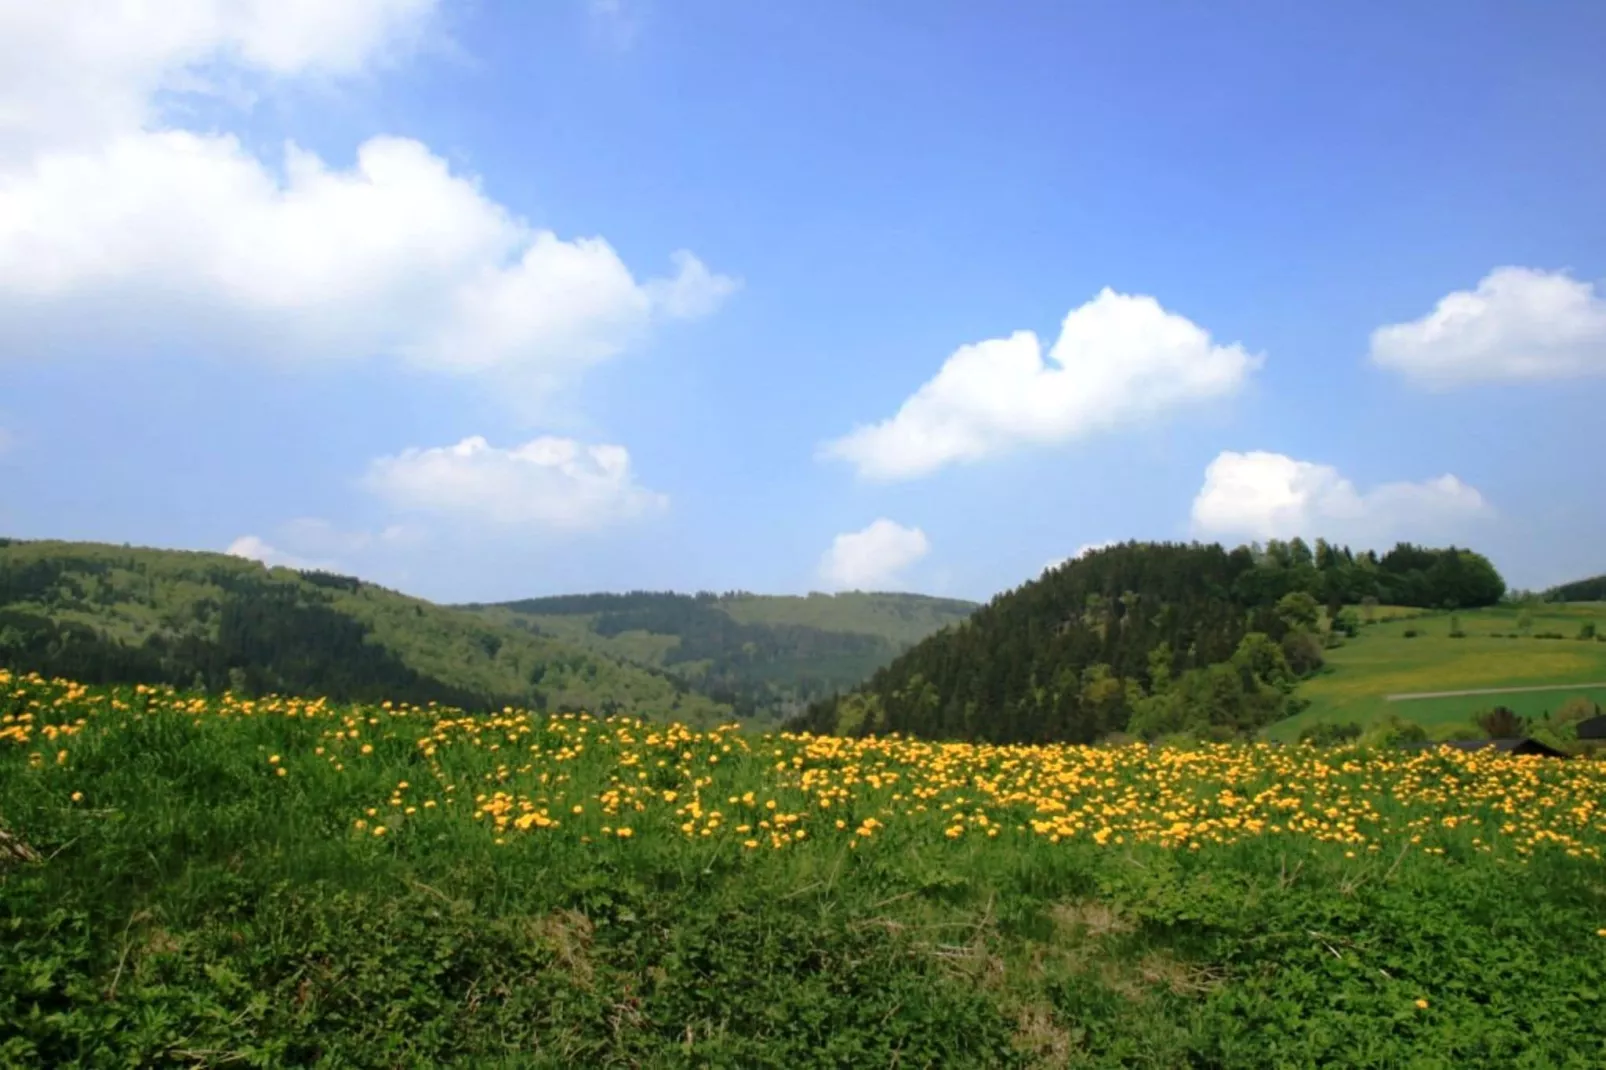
{"points": [[1509, 746], [1594, 728]]}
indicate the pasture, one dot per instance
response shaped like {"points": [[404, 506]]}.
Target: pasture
{"points": [[200, 881], [1382, 661]]}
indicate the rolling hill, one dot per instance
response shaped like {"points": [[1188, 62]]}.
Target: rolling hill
{"points": [[100, 613], [1547, 645], [1147, 639], [765, 655], [105, 614]]}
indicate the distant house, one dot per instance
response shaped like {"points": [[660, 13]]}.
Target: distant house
{"points": [[1594, 728], [1508, 746]]}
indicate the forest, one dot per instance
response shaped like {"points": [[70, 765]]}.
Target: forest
{"points": [[791, 652], [209, 622], [1149, 639], [1592, 589]]}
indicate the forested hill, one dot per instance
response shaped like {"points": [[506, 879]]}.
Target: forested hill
{"points": [[767, 656], [1147, 639], [1590, 590], [102, 614]]}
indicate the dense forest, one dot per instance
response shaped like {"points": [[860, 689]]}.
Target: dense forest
{"points": [[1148, 639], [752, 652], [1590, 590], [103, 614]]}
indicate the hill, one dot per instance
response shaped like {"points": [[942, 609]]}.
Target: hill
{"points": [[1591, 590], [105, 614], [1145, 638], [767, 656], [1504, 646]]}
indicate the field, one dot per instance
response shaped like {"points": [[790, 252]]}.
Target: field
{"points": [[213, 881], [1381, 661]]}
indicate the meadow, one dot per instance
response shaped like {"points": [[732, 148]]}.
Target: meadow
{"points": [[1382, 660], [202, 880]]}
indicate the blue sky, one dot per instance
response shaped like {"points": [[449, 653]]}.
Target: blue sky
{"points": [[577, 295]]}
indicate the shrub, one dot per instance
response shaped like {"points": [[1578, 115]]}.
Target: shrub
{"points": [[1327, 734], [1391, 731], [1502, 723], [1455, 628], [1303, 652], [1459, 730], [1587, 630], [1411, 633]]}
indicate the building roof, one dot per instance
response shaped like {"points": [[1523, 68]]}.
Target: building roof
{"points": [[1509, 746], [1593, 728]]}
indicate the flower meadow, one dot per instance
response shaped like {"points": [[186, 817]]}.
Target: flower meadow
{"points": [[271, 881]]}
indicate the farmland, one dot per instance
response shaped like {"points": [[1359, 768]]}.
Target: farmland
{"points": [[202, 880], [1494, 653]]}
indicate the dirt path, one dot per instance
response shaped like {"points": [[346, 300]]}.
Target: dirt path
{"points": [[1492, 691]]}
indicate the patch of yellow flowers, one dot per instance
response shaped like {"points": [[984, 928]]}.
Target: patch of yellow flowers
{"points": [[518, 773]]}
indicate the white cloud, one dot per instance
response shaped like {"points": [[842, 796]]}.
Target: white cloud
{"points": [[549, 483], [313, 535], [872, 557], [1119, 360], [254, 548], [81, 71], [1519, 324], [1081, 552], [1261, 495], [165, 234]]}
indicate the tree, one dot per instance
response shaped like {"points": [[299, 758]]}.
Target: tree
{"points": [[1299, 611], [1369, 608], [1502, 723], [1303, 652]]}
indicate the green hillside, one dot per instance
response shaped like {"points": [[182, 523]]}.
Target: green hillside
{"points": [[765, 655], [102, 613], [1147, 639], [1500, 646]]}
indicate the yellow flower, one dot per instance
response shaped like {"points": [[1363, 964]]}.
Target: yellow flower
{"points": [[273, 759], [625, 832], [78, 796], [281, 770], [1421, 1004]]}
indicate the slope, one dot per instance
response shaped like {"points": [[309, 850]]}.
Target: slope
{"points": [[1145, 638], [1505, 646], [766, 655], [103, 613]]}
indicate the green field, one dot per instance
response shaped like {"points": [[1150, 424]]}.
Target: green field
{"points": [[1381, 661], [216, 881]]}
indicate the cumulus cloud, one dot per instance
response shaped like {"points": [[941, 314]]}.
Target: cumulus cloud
{"points": [[1261, 495], [549, 483], [872, 557], [177, 235], [1519, 324], [1081, 552], [80, 71], [255, 548], [1120, 359]]}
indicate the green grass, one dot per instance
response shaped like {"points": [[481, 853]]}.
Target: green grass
{"points": [[191, 906], [1381, 661]]}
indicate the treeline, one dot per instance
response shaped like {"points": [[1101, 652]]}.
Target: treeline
{"points": [[1407, 575], [1590, 590], [1146, 639], [255, 636], [757, 669]]}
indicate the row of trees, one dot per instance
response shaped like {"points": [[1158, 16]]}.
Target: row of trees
{"points": [[1146, 639], [1408, 575]]}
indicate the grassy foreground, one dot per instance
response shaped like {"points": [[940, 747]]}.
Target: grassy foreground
{"points": [[286, 882]]}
